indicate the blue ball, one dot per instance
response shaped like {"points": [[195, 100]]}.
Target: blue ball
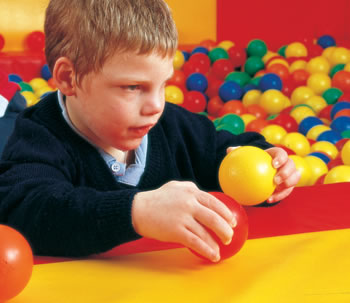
{"points": [[326, 41], [322, 156], [248, 87], [200, 49], [270, 81], [230, 90], [186, 55], [45, 72], [338, 107], [330, 136], [197, 81], [341, 124], [14, 78], [308, 123]]}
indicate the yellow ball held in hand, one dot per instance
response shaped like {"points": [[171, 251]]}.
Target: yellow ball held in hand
{"points": [[246, 174]]}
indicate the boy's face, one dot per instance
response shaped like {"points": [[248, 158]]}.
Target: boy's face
{"points": [[117, 106]]}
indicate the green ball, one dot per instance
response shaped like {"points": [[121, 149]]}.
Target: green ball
{"points": [[217, 53], [331, 95], [346, 134], [271, 117], [255, 80], [282, 51], [234, 125], [241, 78], [216, 122], [25, 87], [336, 69], [300, 105], [257, 48], [253, 65]]}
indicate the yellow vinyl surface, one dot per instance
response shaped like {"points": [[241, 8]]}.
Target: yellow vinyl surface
{"points": [[311, 267]]}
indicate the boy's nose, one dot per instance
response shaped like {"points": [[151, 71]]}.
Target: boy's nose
{"points": [[153, 105]]}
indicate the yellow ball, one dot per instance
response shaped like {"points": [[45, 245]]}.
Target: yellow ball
{"points": [[178, 60], [297, 143], [30, 97], [278, 61], [174, 94], [301, 94], [301, 112], [340, 55], [37, 83], [345, 153], [318, 65], [340, 173], [287, 102], [43, 90], [319, 82], [251, 97], [326, 147], [268, 56], [304, 169], [327, 52], [317, 103], [318, 168], [272, 101], [297, 64], [226, 44], [347, 67], [246, 174], [273, 133], [247, 118], [296, 49], [315, 131]]}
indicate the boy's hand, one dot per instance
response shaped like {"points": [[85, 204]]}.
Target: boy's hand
{"points": [[180, 212], [286, 177]]}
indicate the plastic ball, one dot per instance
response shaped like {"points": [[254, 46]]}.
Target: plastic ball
{"points": [[30, 97], [326, 41], [315, 131], [321, 155], [296, 49], [200, 49], [340, 55], [241, 78], [299, 113], [338, 107], [194, 101], [331, 95], [257, 110], [218, 53], [256, 125], [35, 41], [336, 69], [221, 68], [253, 65], [277, 60], [240, 231], [16, 263], [214, 106], [178, 78], [246, 174], [342, 112], [247, 118], [174, 94], [208, 43], [340, 144], [330, 136], [237, 56], [186, 55], [37, 83], [319, 83], [179, 60], [301, 94], [197, 81], [251, 97], [338, 174], [341, 80], [297, 65], [256, 48], [270, 81], [273, 133], [335, 162], [341, 124], [2, 42], [318, 65], [15, 78], [226, 44], [299, 77], [233, 107], [45, 72], [272, 101], [297, 143], [232, 123], [308, 123], [318, 168], [280, 70], [25, 87], [325, 147], [230, 90], [317, 103], [286, 121], [304, 169], [345, 153]]}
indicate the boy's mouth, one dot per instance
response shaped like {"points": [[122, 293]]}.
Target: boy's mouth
{"points": [[141, 131]]}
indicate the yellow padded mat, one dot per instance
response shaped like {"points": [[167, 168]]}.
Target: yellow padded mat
{"points": [[311, 267]]}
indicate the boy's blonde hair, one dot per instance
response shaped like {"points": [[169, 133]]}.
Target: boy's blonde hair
{"points": [[90, 31]]}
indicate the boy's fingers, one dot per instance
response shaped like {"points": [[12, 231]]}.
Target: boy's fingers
{"points": [[279, 156], [231, 148], [280, 195], [285, 172]]}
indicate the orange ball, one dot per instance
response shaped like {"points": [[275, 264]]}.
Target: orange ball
{"points": [[246, 174], [16, 263]]}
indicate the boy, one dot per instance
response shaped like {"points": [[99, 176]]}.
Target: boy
{"points": [[105, 160]]}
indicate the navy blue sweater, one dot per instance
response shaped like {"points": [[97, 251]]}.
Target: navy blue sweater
{"points": [[57, 190]]}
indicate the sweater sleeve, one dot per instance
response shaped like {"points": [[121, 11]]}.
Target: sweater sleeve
{"points": [[45, 194]]}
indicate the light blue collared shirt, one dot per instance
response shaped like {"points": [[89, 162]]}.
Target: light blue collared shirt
{"points": [[131, 174]]}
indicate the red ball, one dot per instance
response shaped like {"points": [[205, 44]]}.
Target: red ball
{"points": [[214, 106], [232, 107], [299, 77], [339, 145], [286, 121], [280, 70], [16, 263], [190, 67], [178, 78], [36, 41], [257, 110], [194, 101], [240, 231], [238, 56], [334, 162], [256, 125], [341, 80], [221, 68], [288, 87], [200, 61], [2, 42], [213, 87], [209, 44], [326, 112]]}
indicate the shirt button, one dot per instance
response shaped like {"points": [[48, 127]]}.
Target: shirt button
{"points": [[115, 167]]}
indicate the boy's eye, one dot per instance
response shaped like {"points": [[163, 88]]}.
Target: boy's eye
{"points": [[131, 87]]}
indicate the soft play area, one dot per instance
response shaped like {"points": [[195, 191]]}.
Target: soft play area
{"points": [[255, 66]]}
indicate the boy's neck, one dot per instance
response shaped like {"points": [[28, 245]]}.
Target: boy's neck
{"points": [[127, 157]]}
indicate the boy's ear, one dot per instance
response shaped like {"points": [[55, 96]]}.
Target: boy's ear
{"points": [[64, 76]]}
